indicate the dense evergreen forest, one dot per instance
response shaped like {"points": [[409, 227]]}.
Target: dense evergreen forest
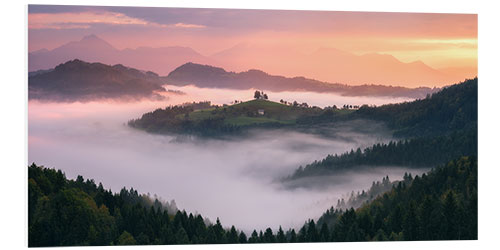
{"points": [[440, 205], [454, 108], [417, 152], [437, 129]]}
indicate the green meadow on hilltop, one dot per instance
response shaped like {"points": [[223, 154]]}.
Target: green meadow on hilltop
{"points": [[205, 119]]}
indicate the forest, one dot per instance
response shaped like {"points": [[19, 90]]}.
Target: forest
{"points": [[433, 131], [417, 152], [439, 205], [453, 108]]}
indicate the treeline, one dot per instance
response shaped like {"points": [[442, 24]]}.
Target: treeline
{"points": [[64, 212], [453, 108], [440, 205], [360, 198], [439, 128], [417, 152]]}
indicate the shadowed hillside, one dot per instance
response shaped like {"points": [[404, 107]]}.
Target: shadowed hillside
{"points": [[77, 80]]}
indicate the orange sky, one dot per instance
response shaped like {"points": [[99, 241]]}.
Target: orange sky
{"points": [[442, 41]]}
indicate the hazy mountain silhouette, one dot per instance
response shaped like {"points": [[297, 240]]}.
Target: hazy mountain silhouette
{"points": [[77, 80], [207, 76], [333, 65], [325, 64], [94, 49]]}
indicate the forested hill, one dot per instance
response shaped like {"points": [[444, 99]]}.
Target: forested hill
{"points": [[207, 120], [206, 76], [451, 109], [435, 130], [77, 80], [439, 206], [416, 152]]}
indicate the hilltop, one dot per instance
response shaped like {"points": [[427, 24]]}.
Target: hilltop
{"points": [[205, 119], [77, 80]]}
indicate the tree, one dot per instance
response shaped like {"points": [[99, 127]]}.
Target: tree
{"points": [[280, 237], [269, 236], [324, 233], [254, 238], [312, 232], [242, 238], [293, 236], [410, 225], [232, 236], [220, 235], [426, 211], [264, 97], [257, 94], [181, 236], [126, 239], [450, 214]]}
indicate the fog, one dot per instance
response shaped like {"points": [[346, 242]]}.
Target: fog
{"points": [[234, 180]]}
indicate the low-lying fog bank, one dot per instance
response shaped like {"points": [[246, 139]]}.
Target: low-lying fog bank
{"points": [[225, 96], [230, 179]]}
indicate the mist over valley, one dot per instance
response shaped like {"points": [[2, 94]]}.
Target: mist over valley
{"points": [[201, 174]]}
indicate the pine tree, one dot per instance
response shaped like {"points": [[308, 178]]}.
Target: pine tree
{"points": [[269, 236], [312, 232], [242, 238], [324, 233], [293, 236], [254, 238], [232, 236], [450, 213], [280, 237], [181, 236], [410, 225]]}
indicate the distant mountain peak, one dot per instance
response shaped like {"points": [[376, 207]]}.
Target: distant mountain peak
{"points": [[91, 37], [92, 41], [195, 68]]}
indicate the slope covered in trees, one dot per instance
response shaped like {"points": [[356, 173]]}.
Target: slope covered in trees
{"points": [[66, 212], [417, 152], [77, 80], [437, 129], [440, 205], [452, 109]]}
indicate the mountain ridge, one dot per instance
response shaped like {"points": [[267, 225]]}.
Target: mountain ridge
{"points": [[326, 64], [77, 80], [207, 76]]}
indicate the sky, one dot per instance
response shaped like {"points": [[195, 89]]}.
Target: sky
{"points": [[441, 41]]}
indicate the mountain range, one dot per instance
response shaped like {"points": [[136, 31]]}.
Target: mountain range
{"points": [[325, 64], [206, 76], [94, 49]]}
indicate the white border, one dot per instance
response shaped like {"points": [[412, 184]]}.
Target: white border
{"points": [[13, 109]]}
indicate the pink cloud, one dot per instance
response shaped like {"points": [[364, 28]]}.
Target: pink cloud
{"points": [[84, 20]]}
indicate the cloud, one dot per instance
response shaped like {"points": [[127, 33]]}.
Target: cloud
{"points": [[186, 25], [85, 19]]}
